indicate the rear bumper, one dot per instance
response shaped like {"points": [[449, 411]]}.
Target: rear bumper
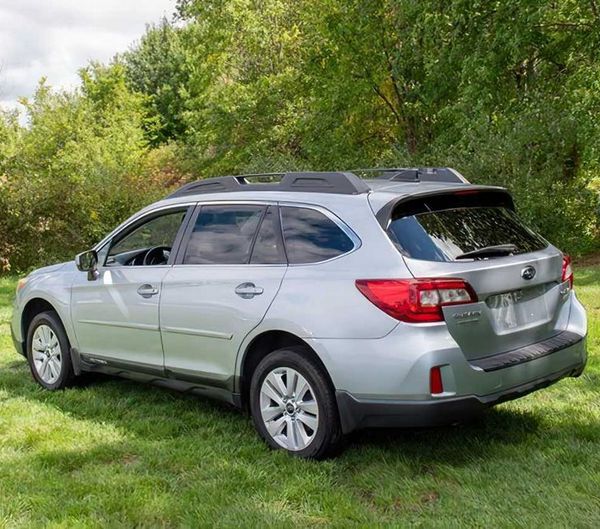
{"points": [[357, 413], [396, 368]]}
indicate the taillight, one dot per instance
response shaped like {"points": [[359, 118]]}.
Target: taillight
{"points": [[567, 270], [416, 300]]}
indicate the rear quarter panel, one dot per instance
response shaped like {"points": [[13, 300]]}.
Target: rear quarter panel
{"points": [[321, 300]]}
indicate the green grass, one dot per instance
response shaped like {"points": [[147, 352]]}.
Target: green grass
{"points": [[113, 453]]}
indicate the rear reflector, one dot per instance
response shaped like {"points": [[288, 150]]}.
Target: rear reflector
{"points": [[436, 385], [567, 270], [416, 300]]}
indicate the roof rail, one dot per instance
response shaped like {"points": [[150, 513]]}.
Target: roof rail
{"points": [[418, 174], [335, 182]]}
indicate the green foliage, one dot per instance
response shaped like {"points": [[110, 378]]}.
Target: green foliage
{"points": [[506, 92], [73, 172], [160, 67]]}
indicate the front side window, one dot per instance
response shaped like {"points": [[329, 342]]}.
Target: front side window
{"points": [[223, 234], [149, 243], [310, 236]]}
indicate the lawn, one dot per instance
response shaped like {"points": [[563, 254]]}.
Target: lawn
{"points": [[113, 453]]}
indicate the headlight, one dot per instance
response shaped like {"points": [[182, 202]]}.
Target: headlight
{"points": [[21, 283]]}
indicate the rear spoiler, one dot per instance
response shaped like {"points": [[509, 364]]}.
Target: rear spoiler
{"points": [[468, 196]]}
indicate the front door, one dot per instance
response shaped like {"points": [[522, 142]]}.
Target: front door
{"points": [[220, 289], [116, 315]]}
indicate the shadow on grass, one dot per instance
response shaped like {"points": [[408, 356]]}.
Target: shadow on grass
{"points": [[475, 439], [156, 415]]}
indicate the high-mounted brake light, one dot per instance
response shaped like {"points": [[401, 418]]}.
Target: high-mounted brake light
{"points": [[416, 300], [467, 192], [567, 270]]}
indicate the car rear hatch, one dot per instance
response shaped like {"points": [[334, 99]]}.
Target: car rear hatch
{"points": [[476, 236]]}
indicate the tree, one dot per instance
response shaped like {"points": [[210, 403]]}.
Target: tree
{"points": [[159, 67], [71, 174]]}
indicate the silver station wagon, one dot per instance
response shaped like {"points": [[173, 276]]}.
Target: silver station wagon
{"points": [[320, 302]]}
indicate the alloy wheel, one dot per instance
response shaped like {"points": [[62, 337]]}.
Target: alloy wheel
{"points": [[289, 408], [46, 353]]}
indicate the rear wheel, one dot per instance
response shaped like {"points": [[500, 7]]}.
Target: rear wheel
{"points": [[48, 351], [293, 406]]}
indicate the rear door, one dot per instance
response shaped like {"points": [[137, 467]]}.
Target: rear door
{"points": [[228, 272], [478, 237]]}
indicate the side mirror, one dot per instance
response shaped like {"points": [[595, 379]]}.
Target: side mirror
{"points": [[88, 262]]}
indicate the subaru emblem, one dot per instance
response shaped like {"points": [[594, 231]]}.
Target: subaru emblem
{"points": [[528, 272]]}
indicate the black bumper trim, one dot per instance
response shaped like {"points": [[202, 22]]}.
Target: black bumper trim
{"points": [[19, 346], [528, 353], [356, 414]]}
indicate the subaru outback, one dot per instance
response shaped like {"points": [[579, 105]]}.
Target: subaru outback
{"points": [[321, 303]]}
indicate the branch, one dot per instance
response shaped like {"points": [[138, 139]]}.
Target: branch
{"points": [[388, 103], [393, 77], [389, 65], [374, 85]]}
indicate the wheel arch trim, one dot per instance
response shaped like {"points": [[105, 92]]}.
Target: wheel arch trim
{"points": [[253, 339], [43, 304]]}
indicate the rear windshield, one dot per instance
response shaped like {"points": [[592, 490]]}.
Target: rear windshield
{"points": [[449, 234]]}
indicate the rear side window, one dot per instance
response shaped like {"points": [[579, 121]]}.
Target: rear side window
{"points": [[465, 232], [268, 248], [310, 236], [223, 235]]}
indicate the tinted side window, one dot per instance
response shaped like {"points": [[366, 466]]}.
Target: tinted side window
{"points": [[223, 235], [311, 237], [268, 248], [158, 231]]}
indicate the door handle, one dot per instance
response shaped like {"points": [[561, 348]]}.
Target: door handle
{"points": [[147, 291], [248, 290]]}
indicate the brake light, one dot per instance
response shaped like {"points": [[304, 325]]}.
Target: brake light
{"points": [[416, 300], [567, 270]]}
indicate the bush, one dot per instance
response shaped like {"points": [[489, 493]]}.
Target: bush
{"points": [[80, 167]]}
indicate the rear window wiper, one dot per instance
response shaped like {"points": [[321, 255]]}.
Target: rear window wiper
{"points": [[489, 251]]}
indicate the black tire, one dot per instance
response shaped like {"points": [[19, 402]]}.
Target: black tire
{"points": [[328, 436], [52, 320]]}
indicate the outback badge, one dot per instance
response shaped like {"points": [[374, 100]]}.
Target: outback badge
{"points": [[467, 316]]}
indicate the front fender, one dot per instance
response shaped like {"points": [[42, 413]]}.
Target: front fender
{"points": [[52, 285]]}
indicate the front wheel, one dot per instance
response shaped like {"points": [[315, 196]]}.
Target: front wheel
{"points": [[48, 351], [293, 406]]}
